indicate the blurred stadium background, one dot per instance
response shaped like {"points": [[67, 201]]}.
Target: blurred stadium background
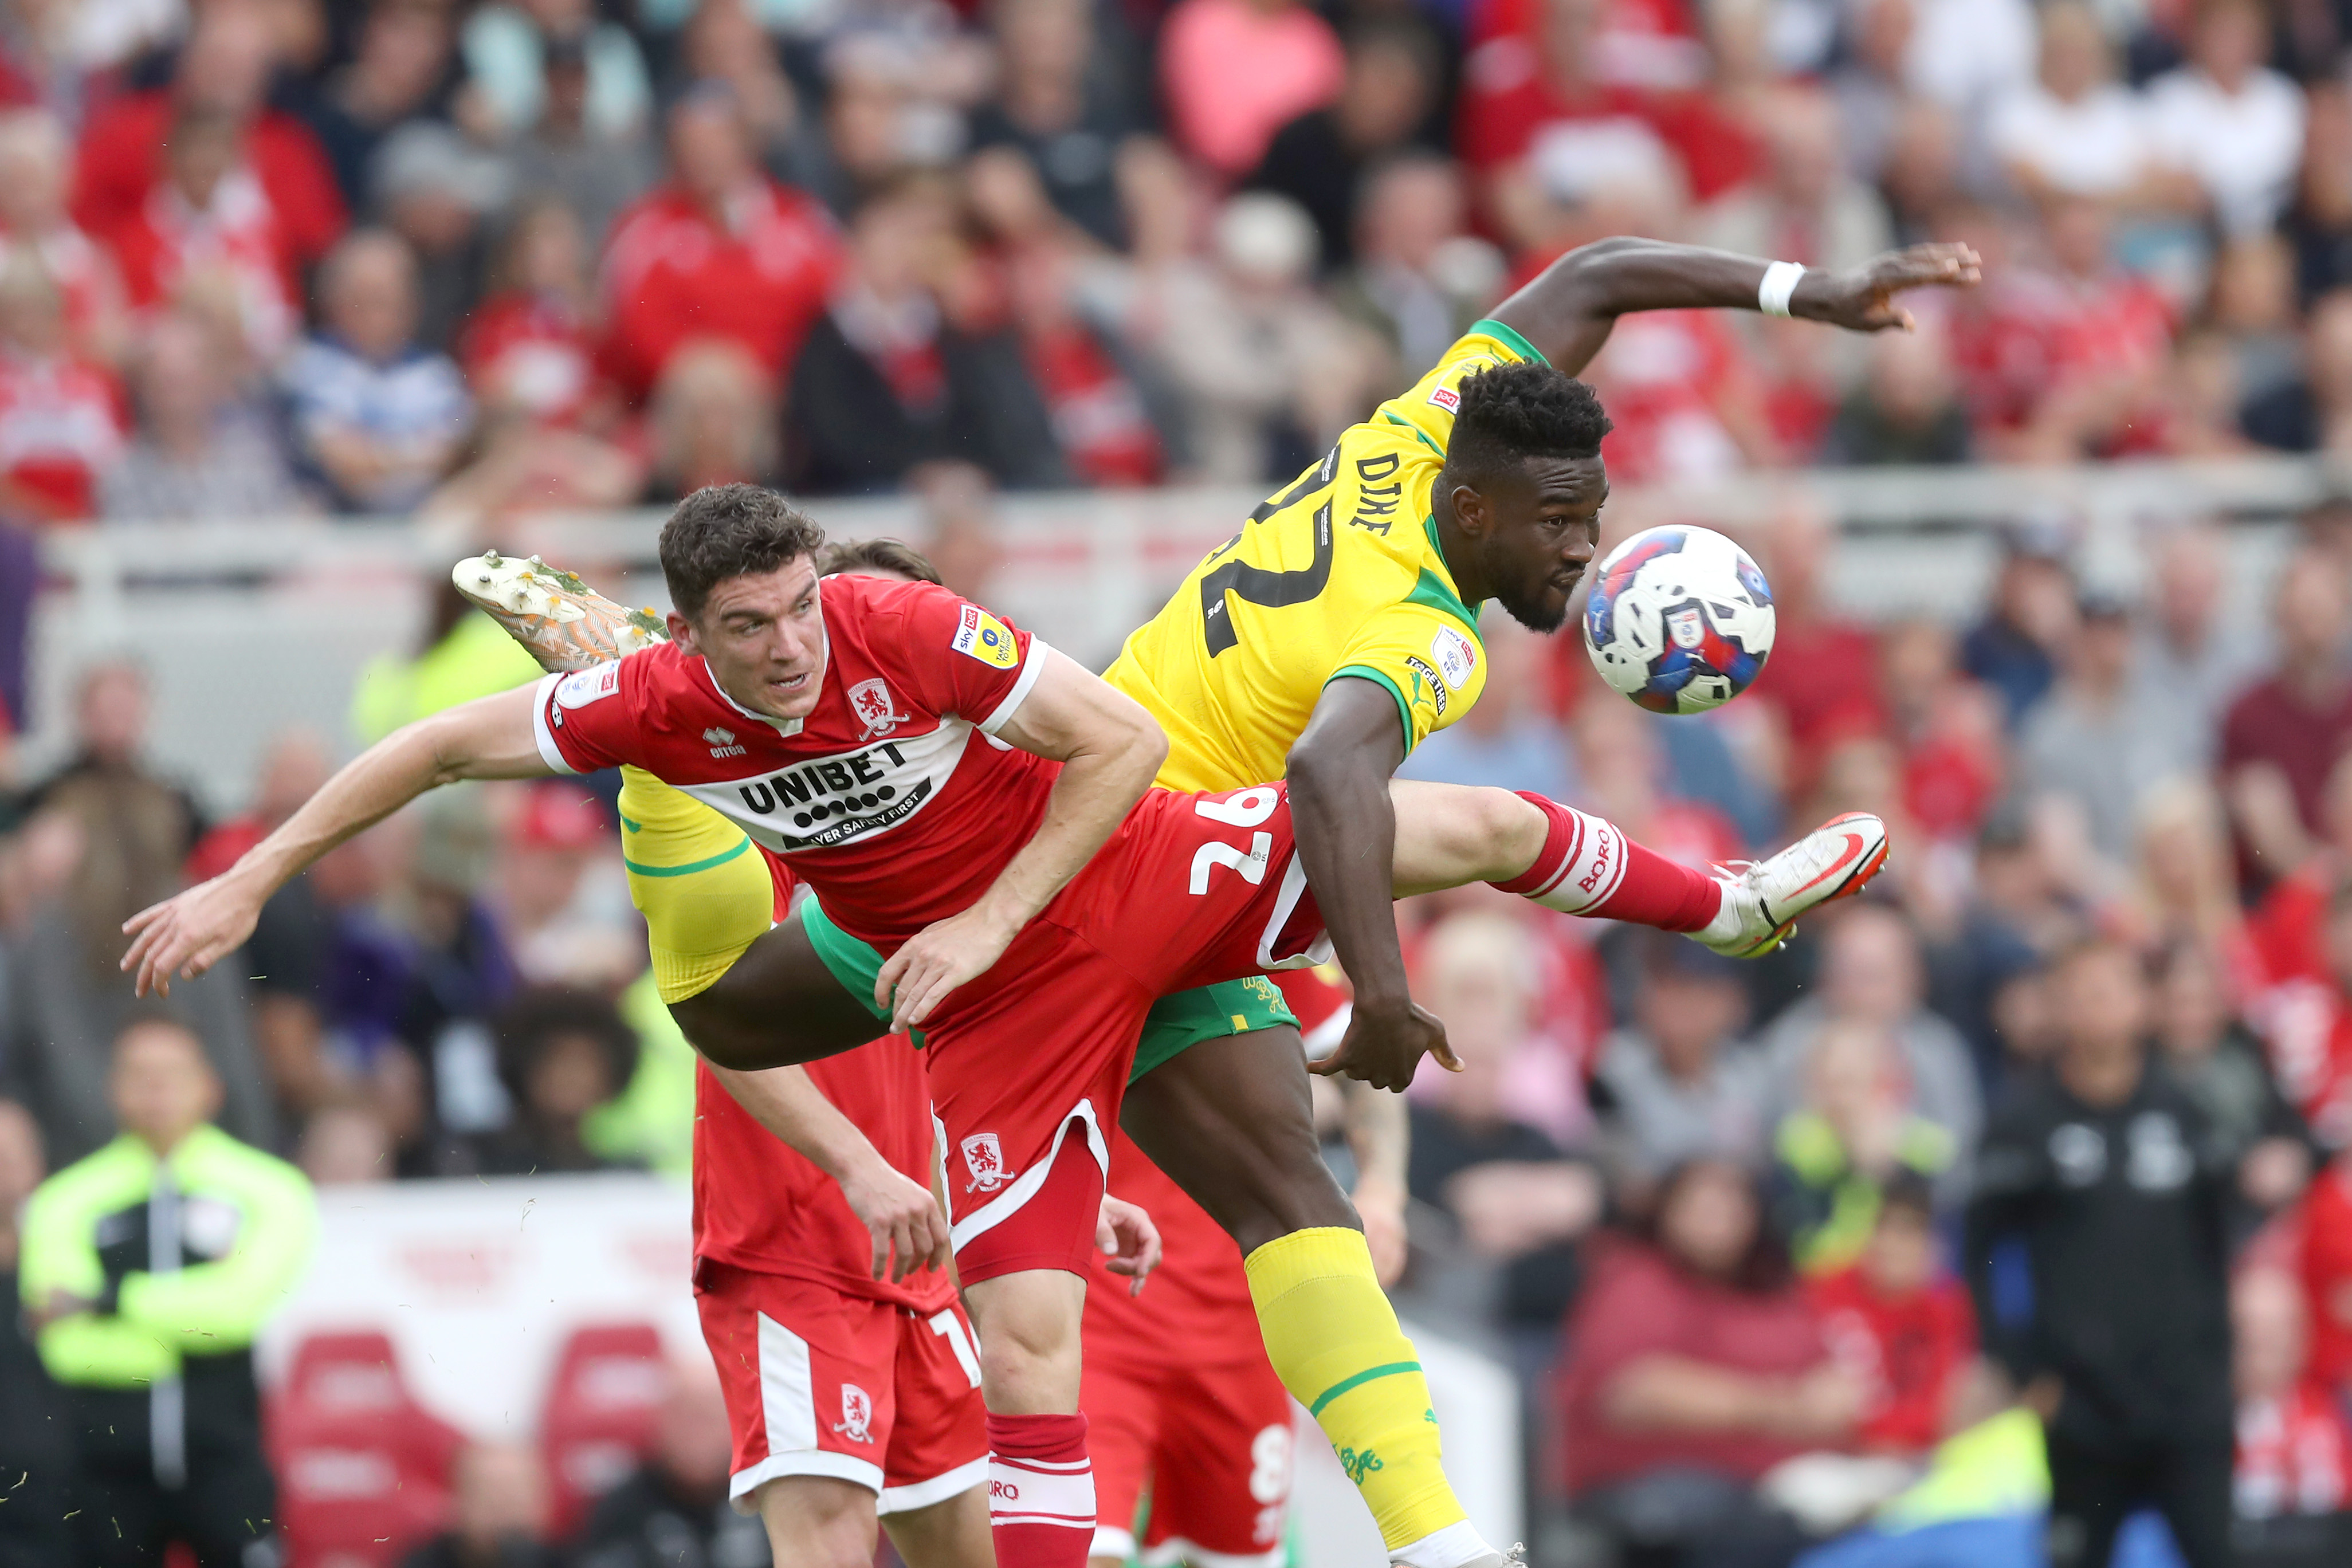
{"points": [[301, 299]]}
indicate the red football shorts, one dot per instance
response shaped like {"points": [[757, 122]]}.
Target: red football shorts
{"points": [[1210, 1445], [819, 1382], [1029, 1062]]}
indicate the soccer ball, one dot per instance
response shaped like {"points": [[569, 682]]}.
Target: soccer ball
{"points": [[1679, 620]]}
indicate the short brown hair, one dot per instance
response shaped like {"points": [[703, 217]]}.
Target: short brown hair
{"points": [[878, 555], [724, 531]]}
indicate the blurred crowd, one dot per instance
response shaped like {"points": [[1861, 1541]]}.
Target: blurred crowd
{"points": [[372, 255]]}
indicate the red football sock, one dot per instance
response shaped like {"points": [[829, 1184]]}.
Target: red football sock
{"points": [[1041, 1491], [1588, 866]]}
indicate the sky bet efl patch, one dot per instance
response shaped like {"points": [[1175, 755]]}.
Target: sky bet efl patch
{"points": [[985, 638]]}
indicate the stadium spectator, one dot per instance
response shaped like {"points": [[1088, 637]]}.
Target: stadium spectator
{"points": [[677, 1502], [1822, 677], [717, 250], [1678, 1084], [713, 422], [2076, 130], [1806, 208], [2283, 736], [1901, 1322], [562, 1053], [2188, 648], [2100, 740], [168, 1300], [564, 155], [727, 41], [889, 377], [1233, 72], [2099, 1177], [1418, 278], [36, 163], [403, 67], [1907, 408], [1093, 390], [346, 1144], [2029, 619], [527, 349], [2292, 1487], [377, 418], [442, 193], [497, 1505], [1520, 1202], [561, 904], [33, 1427], [2221, 1064], [510, 52], [1854, 1134], [221, 73], [1871, 977], [2230, 120], [1063, 107], [59, 424], [1693, 1367], [2312, 411], [198, 453], [1325, 158]]}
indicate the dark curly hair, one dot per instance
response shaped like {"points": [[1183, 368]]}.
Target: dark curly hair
{"points": [[1524, 409], [537, 1017], [722, 532]]}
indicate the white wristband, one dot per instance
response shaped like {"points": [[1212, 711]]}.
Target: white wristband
{"points": [[1779, 282]]}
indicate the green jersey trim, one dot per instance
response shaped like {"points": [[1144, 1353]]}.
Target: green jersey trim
{"points": [[1366, 673], [1506, 336], [1369, 1373], [1435, 592], [1425, 440], [690, 867]]}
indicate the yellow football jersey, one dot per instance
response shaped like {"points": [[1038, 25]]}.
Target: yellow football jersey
{"points": [[1337, 574]]}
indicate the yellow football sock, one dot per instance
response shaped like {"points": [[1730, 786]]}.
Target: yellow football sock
{"points": [[1334, 1341], [695, 877]]}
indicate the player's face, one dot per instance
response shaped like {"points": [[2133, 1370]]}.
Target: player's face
{"points": [[1544, 526], [763, 637]]}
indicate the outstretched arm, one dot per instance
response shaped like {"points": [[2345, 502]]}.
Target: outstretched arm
{"points": [[490, 737], [1567, 309], [1110, 749], [1338, 771]]}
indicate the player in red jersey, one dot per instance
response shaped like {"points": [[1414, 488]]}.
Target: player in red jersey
{"points": [[1031, 915]]}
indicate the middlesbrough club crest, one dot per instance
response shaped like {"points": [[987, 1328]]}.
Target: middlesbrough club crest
{"points": [[871, 702], [856, 1414], [984, 1157]]}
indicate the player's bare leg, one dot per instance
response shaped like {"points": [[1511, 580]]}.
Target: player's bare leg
{"points": [[818, 1522], [952, 1533]]}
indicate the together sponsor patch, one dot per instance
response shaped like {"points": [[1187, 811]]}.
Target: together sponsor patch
{"points": [[985, 638]]}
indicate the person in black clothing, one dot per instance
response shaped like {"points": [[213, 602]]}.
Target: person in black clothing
{"points": [[674, 1511], [2107, 1174], [1321, 158], [1064, 104]]}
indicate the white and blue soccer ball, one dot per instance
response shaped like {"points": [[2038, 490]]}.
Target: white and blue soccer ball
{"points": [[1679, 620]]}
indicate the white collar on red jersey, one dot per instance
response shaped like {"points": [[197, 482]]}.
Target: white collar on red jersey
{"points": [[824, 667]]}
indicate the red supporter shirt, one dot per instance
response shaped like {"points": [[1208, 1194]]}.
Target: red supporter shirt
{"points": [[2294, 1454], [1639, 1304], [2327, 1267], [164, 242], [1905, 1351], [892, 798], [85, 275], [2306, 1030], [1659, 376], [60, 423], [2037, 332], [671, 275], [121, 161], [530, 353], [1198, 1297]]}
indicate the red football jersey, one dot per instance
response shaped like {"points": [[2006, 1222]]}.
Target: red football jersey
{"points": [[759, 1205], [1905, 1350], [884, 798]]}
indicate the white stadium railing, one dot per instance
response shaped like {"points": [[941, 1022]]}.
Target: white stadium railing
{"points": [[252, 627]]}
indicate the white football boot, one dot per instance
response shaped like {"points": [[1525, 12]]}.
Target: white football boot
{"points": [[1763, 899], [565, 624]]}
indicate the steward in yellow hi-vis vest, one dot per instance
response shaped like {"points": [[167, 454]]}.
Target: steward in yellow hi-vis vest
{"points": [[1337, 574]]}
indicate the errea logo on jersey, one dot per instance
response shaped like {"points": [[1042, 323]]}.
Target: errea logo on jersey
{"points": [[985, 638], [722, 742], [1456, 656]]}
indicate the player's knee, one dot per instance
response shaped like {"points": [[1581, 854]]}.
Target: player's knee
{"points": [[817, 1521], [1028, 1332], [1504, 833]]}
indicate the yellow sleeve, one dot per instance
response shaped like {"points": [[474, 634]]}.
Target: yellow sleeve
{"points": [[1429, 408], [1429, 660]]}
